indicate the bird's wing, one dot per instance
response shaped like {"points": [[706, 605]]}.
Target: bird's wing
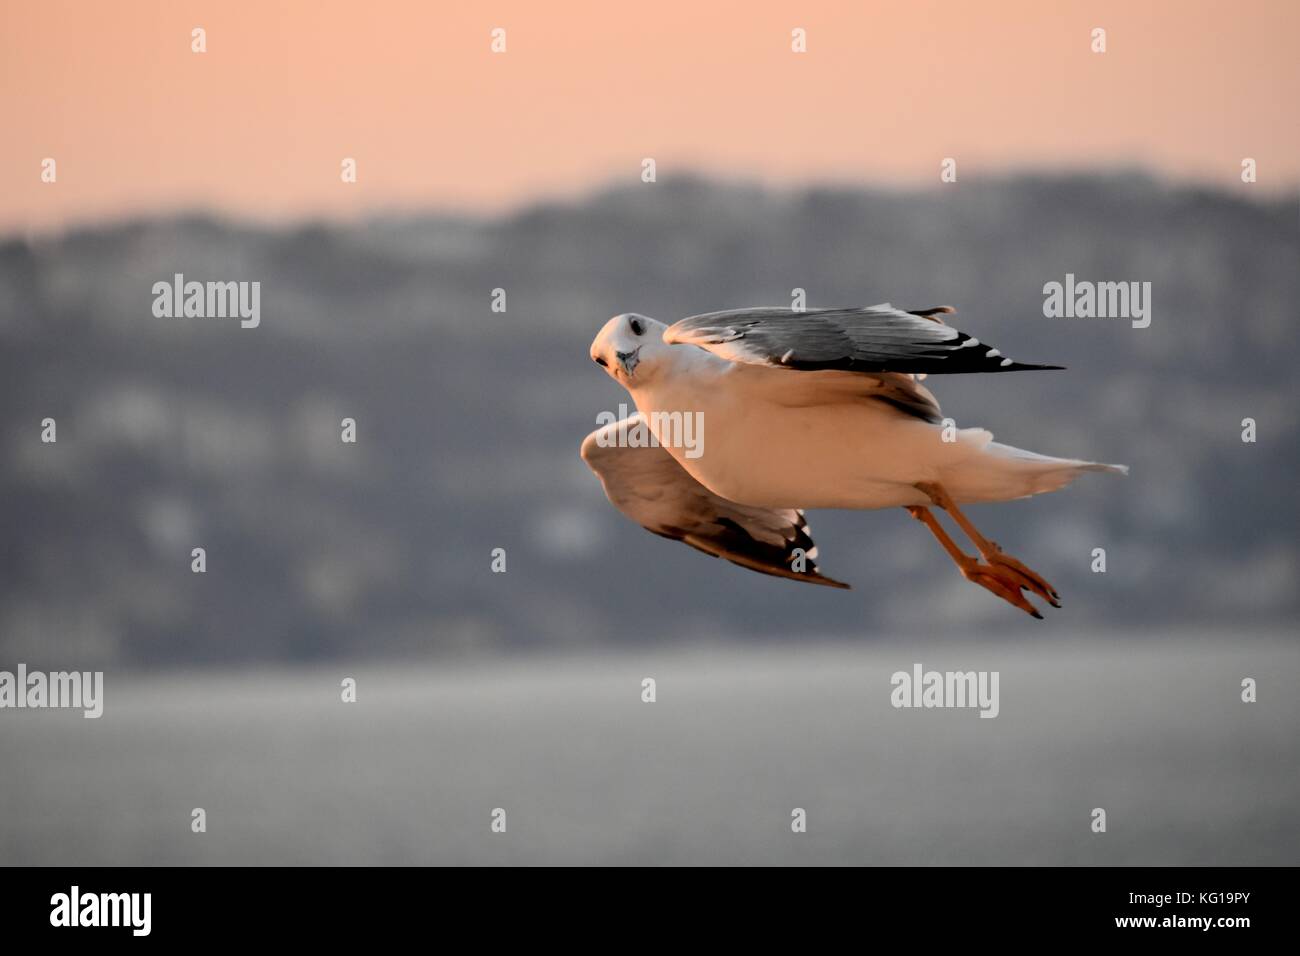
{"points": [[649, 486], [902, 392], [878, 338]]}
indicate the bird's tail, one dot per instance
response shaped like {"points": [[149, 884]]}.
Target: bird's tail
{"points": [[1002, 472]]}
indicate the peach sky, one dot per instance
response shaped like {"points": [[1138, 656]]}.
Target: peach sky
{"points": [[258, 125]]}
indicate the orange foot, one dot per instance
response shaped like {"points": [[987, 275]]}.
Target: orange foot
{"points": [[1008, 579], [1028, 578]]}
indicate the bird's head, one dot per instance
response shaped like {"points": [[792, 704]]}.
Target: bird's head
{"points": [[628, 346]]}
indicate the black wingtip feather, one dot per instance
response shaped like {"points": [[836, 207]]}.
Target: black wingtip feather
{"points": [[1027, 367]]}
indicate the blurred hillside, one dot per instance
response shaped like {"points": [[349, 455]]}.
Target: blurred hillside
{"points": [[176, 433]]}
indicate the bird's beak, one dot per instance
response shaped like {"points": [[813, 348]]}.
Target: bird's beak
{"points": [[629, 360]]}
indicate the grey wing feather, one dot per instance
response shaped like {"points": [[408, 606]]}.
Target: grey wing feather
{"points": [[874, 339], [650, 487]]}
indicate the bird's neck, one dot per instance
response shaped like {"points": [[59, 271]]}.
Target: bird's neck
{"points": [[677, 379]]}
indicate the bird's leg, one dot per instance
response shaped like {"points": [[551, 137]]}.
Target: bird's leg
{"points": [[959, 557], [1021, 575], [987, 576]]}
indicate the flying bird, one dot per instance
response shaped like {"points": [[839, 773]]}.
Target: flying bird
{"points": [[746, 418]]}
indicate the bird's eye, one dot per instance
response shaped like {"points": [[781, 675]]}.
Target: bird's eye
{"points": [[637, 328], [601, 362]]}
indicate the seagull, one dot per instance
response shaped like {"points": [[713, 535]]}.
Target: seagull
{"points": [[822, 408]]}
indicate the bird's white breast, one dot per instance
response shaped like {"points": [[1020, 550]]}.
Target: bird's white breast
{"points": [[756, 450]]}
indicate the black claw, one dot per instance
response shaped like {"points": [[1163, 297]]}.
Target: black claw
{"points": [[1037, 615]]}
